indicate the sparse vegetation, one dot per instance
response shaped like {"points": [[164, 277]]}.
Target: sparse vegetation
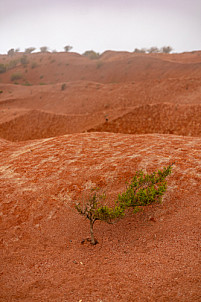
{"points": [[11, 52], [34, 65], [24, 61], [27, 84], [166, 49], [2, 68], [63, 86], [16, 76], [91, 54], [44, 49], [30, 50], [12, 64], [1, 91], [99, 64], [154, 49], [142, 50], [143, 190]]}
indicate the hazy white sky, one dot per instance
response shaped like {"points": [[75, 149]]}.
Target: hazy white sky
{"points": [[100, 25]]}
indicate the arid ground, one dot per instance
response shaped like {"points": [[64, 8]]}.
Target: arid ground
{"points": [[69, 123]]}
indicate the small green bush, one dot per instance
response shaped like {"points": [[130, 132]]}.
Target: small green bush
{"points": [[12, 64], [30, 50], [99, 64], [63, 86], [11, 52], [91, 54], [2, 68], [166, 49], [44, 49], [67, 48], [143, 190], [34, 65], [16, 76], [24, 61]]}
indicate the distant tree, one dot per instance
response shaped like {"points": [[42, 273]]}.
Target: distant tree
{"points": [[91, 54], [30, 49], [54, 51], [153, 49], [142, 50], [166, 49], [67, 48], [11, 52], [17, 50], [44, 49]]}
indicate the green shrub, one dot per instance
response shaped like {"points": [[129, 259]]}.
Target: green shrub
{"points": [[63, 86], [153, 49], [143, 190], [11, 52], [94, 210], [30, 49], [16, 76], [24, 61], [142, 50], [99, 64], [12, 64], [34, 65], [44, 49], [1, 91], [2, 68], [67, 48], [91, 54], [166, 49]]}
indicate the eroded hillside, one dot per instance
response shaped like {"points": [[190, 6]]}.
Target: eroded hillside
{"points": [[71, 93]]}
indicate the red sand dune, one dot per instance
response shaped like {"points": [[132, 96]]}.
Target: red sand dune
{"points": [[155, 101]]}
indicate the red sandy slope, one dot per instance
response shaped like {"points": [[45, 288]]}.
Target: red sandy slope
{"points": [[149, 256]]}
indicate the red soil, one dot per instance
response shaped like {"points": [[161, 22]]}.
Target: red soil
{"points": [[153, 255], [157, 118]]}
